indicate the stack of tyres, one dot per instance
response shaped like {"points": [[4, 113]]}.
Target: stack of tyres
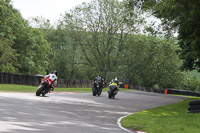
{"points": [[194, 106]]}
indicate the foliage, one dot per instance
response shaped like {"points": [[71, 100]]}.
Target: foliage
{"points": [[153, 61], [194, 73], [190, 83], [99, 37], [33, 50], [100, 30], [27, 44], [181, 16], [8, 57]]}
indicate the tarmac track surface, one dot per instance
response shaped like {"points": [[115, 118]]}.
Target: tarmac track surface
{"points": [[73, 112]]}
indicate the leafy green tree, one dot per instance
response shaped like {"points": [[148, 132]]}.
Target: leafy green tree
{"points": [[28, 43], [33, 50], [152, 61], [8, 57], [64, 53], [65, 57], [189, 83], [100, 29], [181, 16], [9, 21]]}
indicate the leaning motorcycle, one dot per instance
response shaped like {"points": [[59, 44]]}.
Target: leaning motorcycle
{"points": [[43, 88], [113, 90], [96, 89]]}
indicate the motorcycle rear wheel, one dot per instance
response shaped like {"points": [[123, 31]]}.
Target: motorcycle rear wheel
{"points": [[110, 96]]}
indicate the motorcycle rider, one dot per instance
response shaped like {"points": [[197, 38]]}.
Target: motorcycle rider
{"points": [[115, 82], [99, 80], [52, 79], [113, 87]]}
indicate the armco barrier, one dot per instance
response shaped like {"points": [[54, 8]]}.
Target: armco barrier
{"points": [[183, 92], [7, 78], [166, 91], [148, 89]]}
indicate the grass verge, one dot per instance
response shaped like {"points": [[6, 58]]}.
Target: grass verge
{"points": [[172, 118], [26, 88]]}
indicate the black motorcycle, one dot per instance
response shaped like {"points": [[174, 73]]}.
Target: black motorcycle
{"points": [[113, 90], [96, 89], [44, 88]]}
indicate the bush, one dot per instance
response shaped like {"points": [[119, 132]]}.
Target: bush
{"points": [[191, 83]]}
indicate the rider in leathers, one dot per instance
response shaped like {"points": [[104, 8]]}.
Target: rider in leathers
{"points": [[100, 80], [115, 82], [52, 80]]}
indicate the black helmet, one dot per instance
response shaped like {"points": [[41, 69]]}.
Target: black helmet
{"points": [[55, 72]]}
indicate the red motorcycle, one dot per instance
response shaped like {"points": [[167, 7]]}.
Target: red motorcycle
{"points": [[46, 85]]}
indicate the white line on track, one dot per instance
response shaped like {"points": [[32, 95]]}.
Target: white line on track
{"points": [[119, 124]]}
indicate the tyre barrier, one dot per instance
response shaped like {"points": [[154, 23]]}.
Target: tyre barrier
{"points": [[194, 106]]}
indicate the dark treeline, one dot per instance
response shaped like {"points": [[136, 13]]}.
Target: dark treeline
{"points": [[102, 37]]}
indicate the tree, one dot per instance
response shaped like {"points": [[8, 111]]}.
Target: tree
{"points": [[65, 54], [181, 16], [152, 61], [8, 57], [23, 40], [33, 50], [100, 29]]}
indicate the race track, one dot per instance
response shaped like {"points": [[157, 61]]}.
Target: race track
{"points": [[73, 112]]}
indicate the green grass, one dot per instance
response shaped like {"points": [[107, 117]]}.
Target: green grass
{"points": [[184, 96], [172, 118], [25, 88], [17, 88]]}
